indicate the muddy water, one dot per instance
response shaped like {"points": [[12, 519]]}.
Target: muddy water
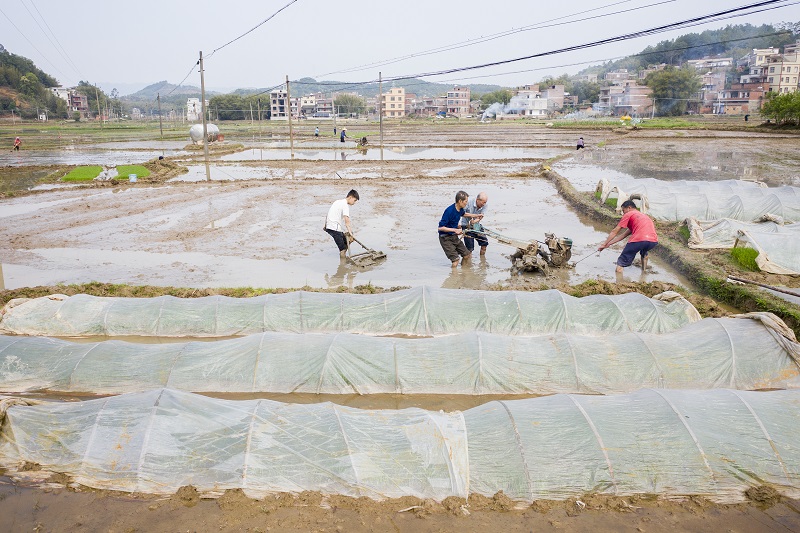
{"points": [[82, 155], [270, 235], [306, 170], [349, 152], [775, 161]]}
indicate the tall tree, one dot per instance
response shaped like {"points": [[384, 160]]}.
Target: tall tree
{"points": [[503, 96], [586, 91], [672, 88], [92, 93], [564, 80], [349, 104], [782, 108]]}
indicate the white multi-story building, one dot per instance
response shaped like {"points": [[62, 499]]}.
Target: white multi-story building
{"points": [[529, 102], [194, 111], [61, 92], [783, 71], [755, 61], [308, 105], [707, 63], [279, 105]]}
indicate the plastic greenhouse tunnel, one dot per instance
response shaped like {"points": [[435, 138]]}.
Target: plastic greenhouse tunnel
{"points": [[678, 200], [419, 311], [755, 351], [715, 443]]}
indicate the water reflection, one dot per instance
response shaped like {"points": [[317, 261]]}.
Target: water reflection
{"points": [[774, 164], [345, 275], [397, 153], [471, 273]]}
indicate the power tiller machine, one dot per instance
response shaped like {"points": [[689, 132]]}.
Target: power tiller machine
{"points": [[531, 256]]}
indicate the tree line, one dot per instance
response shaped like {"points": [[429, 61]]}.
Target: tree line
{"points": [[782, 108], [30, 88], [244, 107]]}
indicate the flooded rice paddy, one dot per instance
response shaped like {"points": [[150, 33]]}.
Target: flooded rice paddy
{"points": [[270, 235], [774, 161], [258, 222], [349, 152]]}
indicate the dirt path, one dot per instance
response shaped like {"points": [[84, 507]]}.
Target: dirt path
{"points": [[59, 509]]}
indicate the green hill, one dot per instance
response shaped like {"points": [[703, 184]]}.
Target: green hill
{"points": [[24, 88], [731, 41]]}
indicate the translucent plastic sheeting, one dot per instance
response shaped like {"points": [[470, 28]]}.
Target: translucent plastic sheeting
{"points": [[737, 353], [778, 253], [707, 234], [419, 311], [713, 443], [677, 200], [160, 440], [672, 443]]}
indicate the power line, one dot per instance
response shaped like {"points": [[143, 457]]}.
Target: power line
{"points": [[232, 41], [47, 36], [735, 12], [721, 15], [479, 40], [29, 42], [72, 63], [624, 37], [640, 54], [251, 29], [184, 79]]}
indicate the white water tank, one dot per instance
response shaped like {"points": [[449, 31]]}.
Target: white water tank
{"points": [[196, 132]]}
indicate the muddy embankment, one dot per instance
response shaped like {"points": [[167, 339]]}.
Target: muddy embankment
{"points": [[82, 509], [707, 270]]}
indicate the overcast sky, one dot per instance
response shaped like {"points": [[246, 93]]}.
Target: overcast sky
{"points": [[129, 45]]}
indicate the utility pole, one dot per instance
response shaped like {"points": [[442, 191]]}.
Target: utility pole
{"points": [[289, 107], [380, 114], [97, 95], [160, 124], [380, 105], [251, 114], [653, 112], [259, 116], [203, 108]]}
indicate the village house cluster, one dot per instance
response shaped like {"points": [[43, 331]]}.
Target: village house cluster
{"points": [[622, 92], [761, 71], [395, 103]]}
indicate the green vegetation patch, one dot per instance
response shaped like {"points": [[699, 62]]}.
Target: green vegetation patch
{"points": [[86, 173], [667, 123], [746, 258], [610, 202], [126, 170]]}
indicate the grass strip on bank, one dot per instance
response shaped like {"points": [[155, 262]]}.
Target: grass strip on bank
{"points": [[150, 291]]}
